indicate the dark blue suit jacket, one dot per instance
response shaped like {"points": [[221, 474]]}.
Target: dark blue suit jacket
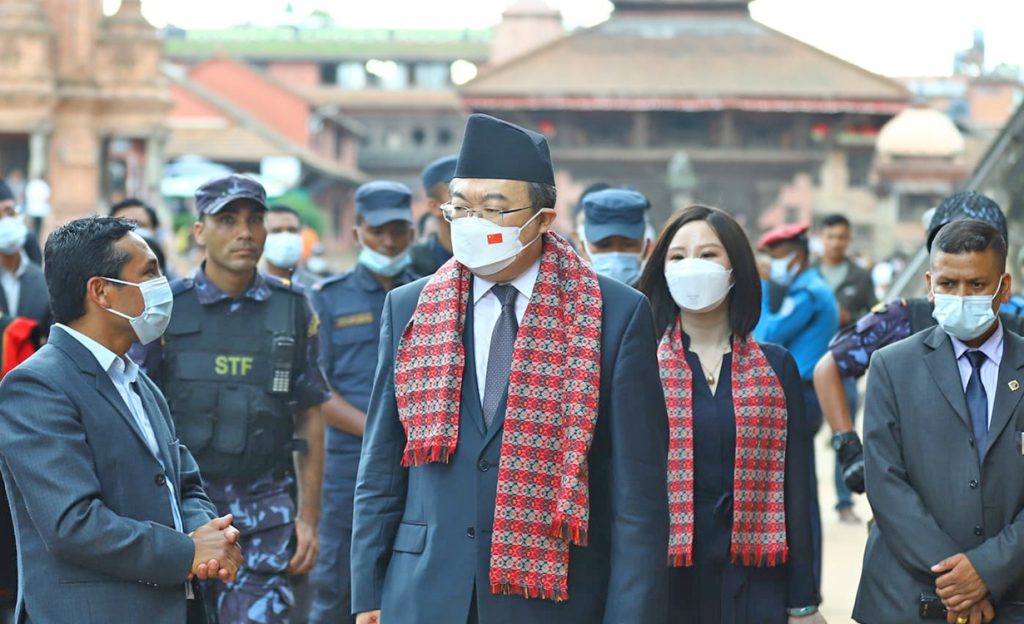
{"points": [[422, 536], [95, 530]]}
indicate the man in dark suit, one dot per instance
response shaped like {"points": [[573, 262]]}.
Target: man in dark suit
{"points": [[943, 425], [110, 517], [521, 391]]}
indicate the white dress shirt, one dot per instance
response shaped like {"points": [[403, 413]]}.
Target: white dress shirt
{"points": [[124, 373], [11, 283], [993, 350], [487, 309]]}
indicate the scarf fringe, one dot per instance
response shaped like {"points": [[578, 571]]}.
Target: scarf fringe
{"points": [[431, 454], [681, 560], [759, 556], [505, 588], [570, 530]]}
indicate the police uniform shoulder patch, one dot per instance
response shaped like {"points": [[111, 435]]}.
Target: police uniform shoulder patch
{"points": [[351, 320], [314, 325], [880, 308], [285, 284]]}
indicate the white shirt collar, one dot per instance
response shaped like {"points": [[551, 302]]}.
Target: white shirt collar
{"points": [[108, 360], [992, 348], [524, 283]]}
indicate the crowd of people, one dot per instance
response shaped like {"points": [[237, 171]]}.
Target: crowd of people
{"points": [[498, 424]]}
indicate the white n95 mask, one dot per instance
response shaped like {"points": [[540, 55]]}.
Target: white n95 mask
{"points": [[965, 318], [158, 300], [698, 285], [283, 249], [486, 248]]}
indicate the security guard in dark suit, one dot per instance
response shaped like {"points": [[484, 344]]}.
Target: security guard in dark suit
{"points": [[350, 306], [239, 367]]}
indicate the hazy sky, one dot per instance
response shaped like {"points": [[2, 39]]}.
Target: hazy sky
{"points": [[893, 37]]}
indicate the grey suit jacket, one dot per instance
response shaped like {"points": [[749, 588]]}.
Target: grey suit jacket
{"points": [[95, 530], [422, 536], [34, 300], [931, 496]]}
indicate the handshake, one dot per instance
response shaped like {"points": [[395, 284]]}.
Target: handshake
{"points": [[218, 554]]}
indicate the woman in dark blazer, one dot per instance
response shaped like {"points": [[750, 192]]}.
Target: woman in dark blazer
{"points": [[738, 477]]}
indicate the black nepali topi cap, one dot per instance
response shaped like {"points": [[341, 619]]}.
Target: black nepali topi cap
{"points": [[5, 191], [496, 149], [214, 195]]}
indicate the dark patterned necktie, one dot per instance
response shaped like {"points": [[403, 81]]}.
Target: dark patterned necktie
{"points": [[977, 402], [503, 340]]}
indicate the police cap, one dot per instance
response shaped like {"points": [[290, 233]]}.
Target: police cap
{"points": [[966, 205], [614, 212], [381, 202], [214, 195], [441, 170]]}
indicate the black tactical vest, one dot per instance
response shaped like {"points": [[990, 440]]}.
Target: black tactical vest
{"points": [[216, 375]]}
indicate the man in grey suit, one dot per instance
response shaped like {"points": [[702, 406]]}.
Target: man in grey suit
{"points": [[513, 380], [111, 520], [943, 458]]}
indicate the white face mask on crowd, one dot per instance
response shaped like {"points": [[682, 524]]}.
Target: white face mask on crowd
{"points": [[486, 248], [780, 272], [283, 249], [158, 300], [13, 232], [965, 318], [698, 285]]}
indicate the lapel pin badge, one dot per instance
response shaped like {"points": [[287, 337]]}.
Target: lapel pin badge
{"points": [[1014, 385]]}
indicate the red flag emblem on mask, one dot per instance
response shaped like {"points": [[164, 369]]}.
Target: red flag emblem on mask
{"points": [[494, 239]]}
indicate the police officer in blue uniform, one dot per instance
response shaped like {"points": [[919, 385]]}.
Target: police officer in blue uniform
{"points": [[430, 253], [615, 233], [350, 306], [804, 324], [239, 367]]}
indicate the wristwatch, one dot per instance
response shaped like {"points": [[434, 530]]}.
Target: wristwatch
{"points": [[840, 440], [802, 611]]}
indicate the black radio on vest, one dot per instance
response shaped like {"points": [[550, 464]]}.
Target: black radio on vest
{"points": [[229, 383]]}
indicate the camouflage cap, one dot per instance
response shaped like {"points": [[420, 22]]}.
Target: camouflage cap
{"points": [[966, 205]]}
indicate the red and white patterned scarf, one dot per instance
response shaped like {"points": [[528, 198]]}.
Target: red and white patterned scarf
{"points": [[759, 510], [543, 501]]}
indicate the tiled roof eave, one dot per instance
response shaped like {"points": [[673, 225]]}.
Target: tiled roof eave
{"points": [[691, 104]]}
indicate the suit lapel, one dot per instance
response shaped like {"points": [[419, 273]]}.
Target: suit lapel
{"points": [[160, 429], [107, 390], [88, 364], [941, 363], [1006, 398], [498, 423]]}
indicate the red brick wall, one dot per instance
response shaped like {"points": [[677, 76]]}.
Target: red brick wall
{"points": [[247, 89]]}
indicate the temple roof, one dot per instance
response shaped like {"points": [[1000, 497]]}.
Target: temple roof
{"points": [[697, 60]]}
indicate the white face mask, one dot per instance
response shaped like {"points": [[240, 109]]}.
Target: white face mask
{"points": [[13, 232], [698, 285], [158, 299], [779, 270], [965, 318], [283, 249], [486, 248]]}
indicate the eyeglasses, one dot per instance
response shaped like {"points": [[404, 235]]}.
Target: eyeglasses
{"points": [[452, 212]]}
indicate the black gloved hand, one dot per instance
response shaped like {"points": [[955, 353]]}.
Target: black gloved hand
{"points": [[851, 458]]}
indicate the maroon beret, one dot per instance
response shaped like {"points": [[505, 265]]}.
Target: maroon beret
{"points": [[782, 234]]}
